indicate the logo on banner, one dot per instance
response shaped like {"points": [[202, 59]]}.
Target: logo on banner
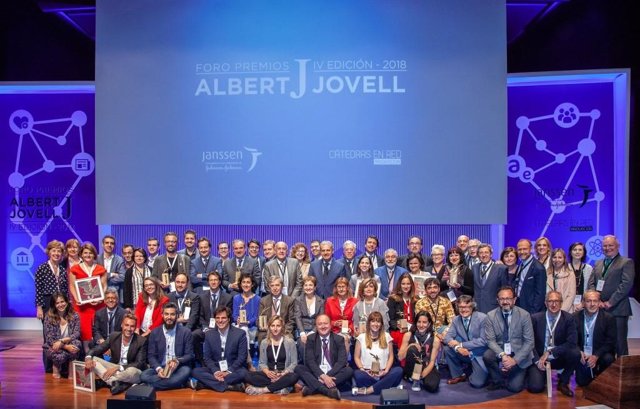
{"points": [[231, 160], [45, 156]]}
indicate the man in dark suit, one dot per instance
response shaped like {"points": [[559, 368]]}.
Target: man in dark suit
{"points": [[203, 264], [187, 301], [325, 369], [225, 356], [121, 371], [531, 280], [108, 319], [613, 277], [210, 300], [287, 268], [596, 338], [113, 263], [555, 344], [389, 273], [465, 344], [509, 335], [189, 249], [240, 263], [349, 257], [275, 303], [170, 263], [488, 277], [371, 246], [326, 270], [170, 352], [415, 246]]}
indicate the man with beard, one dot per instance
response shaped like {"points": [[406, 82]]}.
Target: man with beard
{"points": [[188, 303], [170, 353], [168, 265]]}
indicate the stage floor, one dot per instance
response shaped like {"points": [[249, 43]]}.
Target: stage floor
{"points": [[23, 383]]}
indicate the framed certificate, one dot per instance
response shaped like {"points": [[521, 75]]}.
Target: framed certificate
{"points": [[89, 289], [83, 379]]}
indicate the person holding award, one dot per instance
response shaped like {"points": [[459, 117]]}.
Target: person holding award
{"points": [[419, 350], [169, 352], [373, 357], [86, 303]]}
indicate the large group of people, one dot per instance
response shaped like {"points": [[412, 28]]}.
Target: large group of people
{"points": [[294, 321]]}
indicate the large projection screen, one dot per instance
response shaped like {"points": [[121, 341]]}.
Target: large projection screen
{"points": [[301, 112]]}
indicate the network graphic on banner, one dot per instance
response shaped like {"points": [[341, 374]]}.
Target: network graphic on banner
{"points": [[565, 116], [24, 178]]}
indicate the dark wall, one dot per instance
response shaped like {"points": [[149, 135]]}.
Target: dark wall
{"points": [[38, 46], [591, 34]]}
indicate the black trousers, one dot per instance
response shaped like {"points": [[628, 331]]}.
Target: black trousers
{"points": [[343, 379], [431, 382], [261, 380]]}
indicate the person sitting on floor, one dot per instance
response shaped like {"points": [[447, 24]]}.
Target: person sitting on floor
{"points": [[61, 333], [419, 350], [170, 351]]}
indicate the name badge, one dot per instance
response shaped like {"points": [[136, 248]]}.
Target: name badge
{"points": [[578, 299], [600, 285], [588, 351], [507, 348], [186, 313], [172, 286], [205, 288], [224, 366], [324, 368], [212, 322], [452, 296]]}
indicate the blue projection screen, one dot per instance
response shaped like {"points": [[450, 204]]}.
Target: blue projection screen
{"points": [[301, 112]]}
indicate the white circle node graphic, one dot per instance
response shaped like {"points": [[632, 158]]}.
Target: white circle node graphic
{"points": [[599, 196], [586, 147], [527, 175], [16, 180], [49, 166], [79, 118], [566, 115], [541, 145], [558, 206], [522, 122], [560, 158]]}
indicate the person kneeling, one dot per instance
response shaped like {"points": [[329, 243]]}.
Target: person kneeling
{"points": [[374, 358], [170, 351], [420, 349], [275, 370]]}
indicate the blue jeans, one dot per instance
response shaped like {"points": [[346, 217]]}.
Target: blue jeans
{"points": [[390, 380], [176, 381]]}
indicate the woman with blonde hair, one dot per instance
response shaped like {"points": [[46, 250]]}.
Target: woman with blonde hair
{"points": [[543, 251], [276, 367]]}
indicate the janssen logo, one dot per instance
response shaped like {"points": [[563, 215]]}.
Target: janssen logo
{"points": [[231, 160]]}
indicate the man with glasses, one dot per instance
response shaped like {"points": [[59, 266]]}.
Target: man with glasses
{"points": [[168, 265], [225, 356], [613, 278], [465, 344], [414, 245], [596, 338], [509, 335], [108, 319], [555, 345]]}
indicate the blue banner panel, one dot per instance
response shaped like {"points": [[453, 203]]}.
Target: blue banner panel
{"points": [[562, 166], [49, 187]]}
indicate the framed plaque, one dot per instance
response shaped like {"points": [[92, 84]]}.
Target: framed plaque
{"points": [[83, 379], [89, 290]]}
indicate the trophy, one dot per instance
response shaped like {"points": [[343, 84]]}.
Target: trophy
{"points": [[165, 278], [375, 365], [345, 326], [262, 322], [453, 277], [242, 318], [417, 369], [362, 325], [403, 325]]}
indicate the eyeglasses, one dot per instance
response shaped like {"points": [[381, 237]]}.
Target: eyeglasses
{"points": [[505, 299], [554, 301]]}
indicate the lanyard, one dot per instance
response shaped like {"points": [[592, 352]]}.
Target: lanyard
{"points": [[425, 340], [407, 307], [170, 263], [552, 329], [435, 313], [276, 352], [589, 324]]}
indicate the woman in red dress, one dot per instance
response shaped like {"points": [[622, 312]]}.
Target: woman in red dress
{"points": [[86, 312], [149, 306], [339, 308]]}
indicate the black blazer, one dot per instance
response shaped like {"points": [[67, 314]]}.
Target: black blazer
{"points": [[565, 335], [205, 305], [396, 312], [313, 354], [604, 333], [194, 303], [136, 357], [101, 323]]}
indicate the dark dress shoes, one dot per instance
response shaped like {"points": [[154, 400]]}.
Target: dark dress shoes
{"points": [[457, 379], [119, 387], [565, 390]]}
